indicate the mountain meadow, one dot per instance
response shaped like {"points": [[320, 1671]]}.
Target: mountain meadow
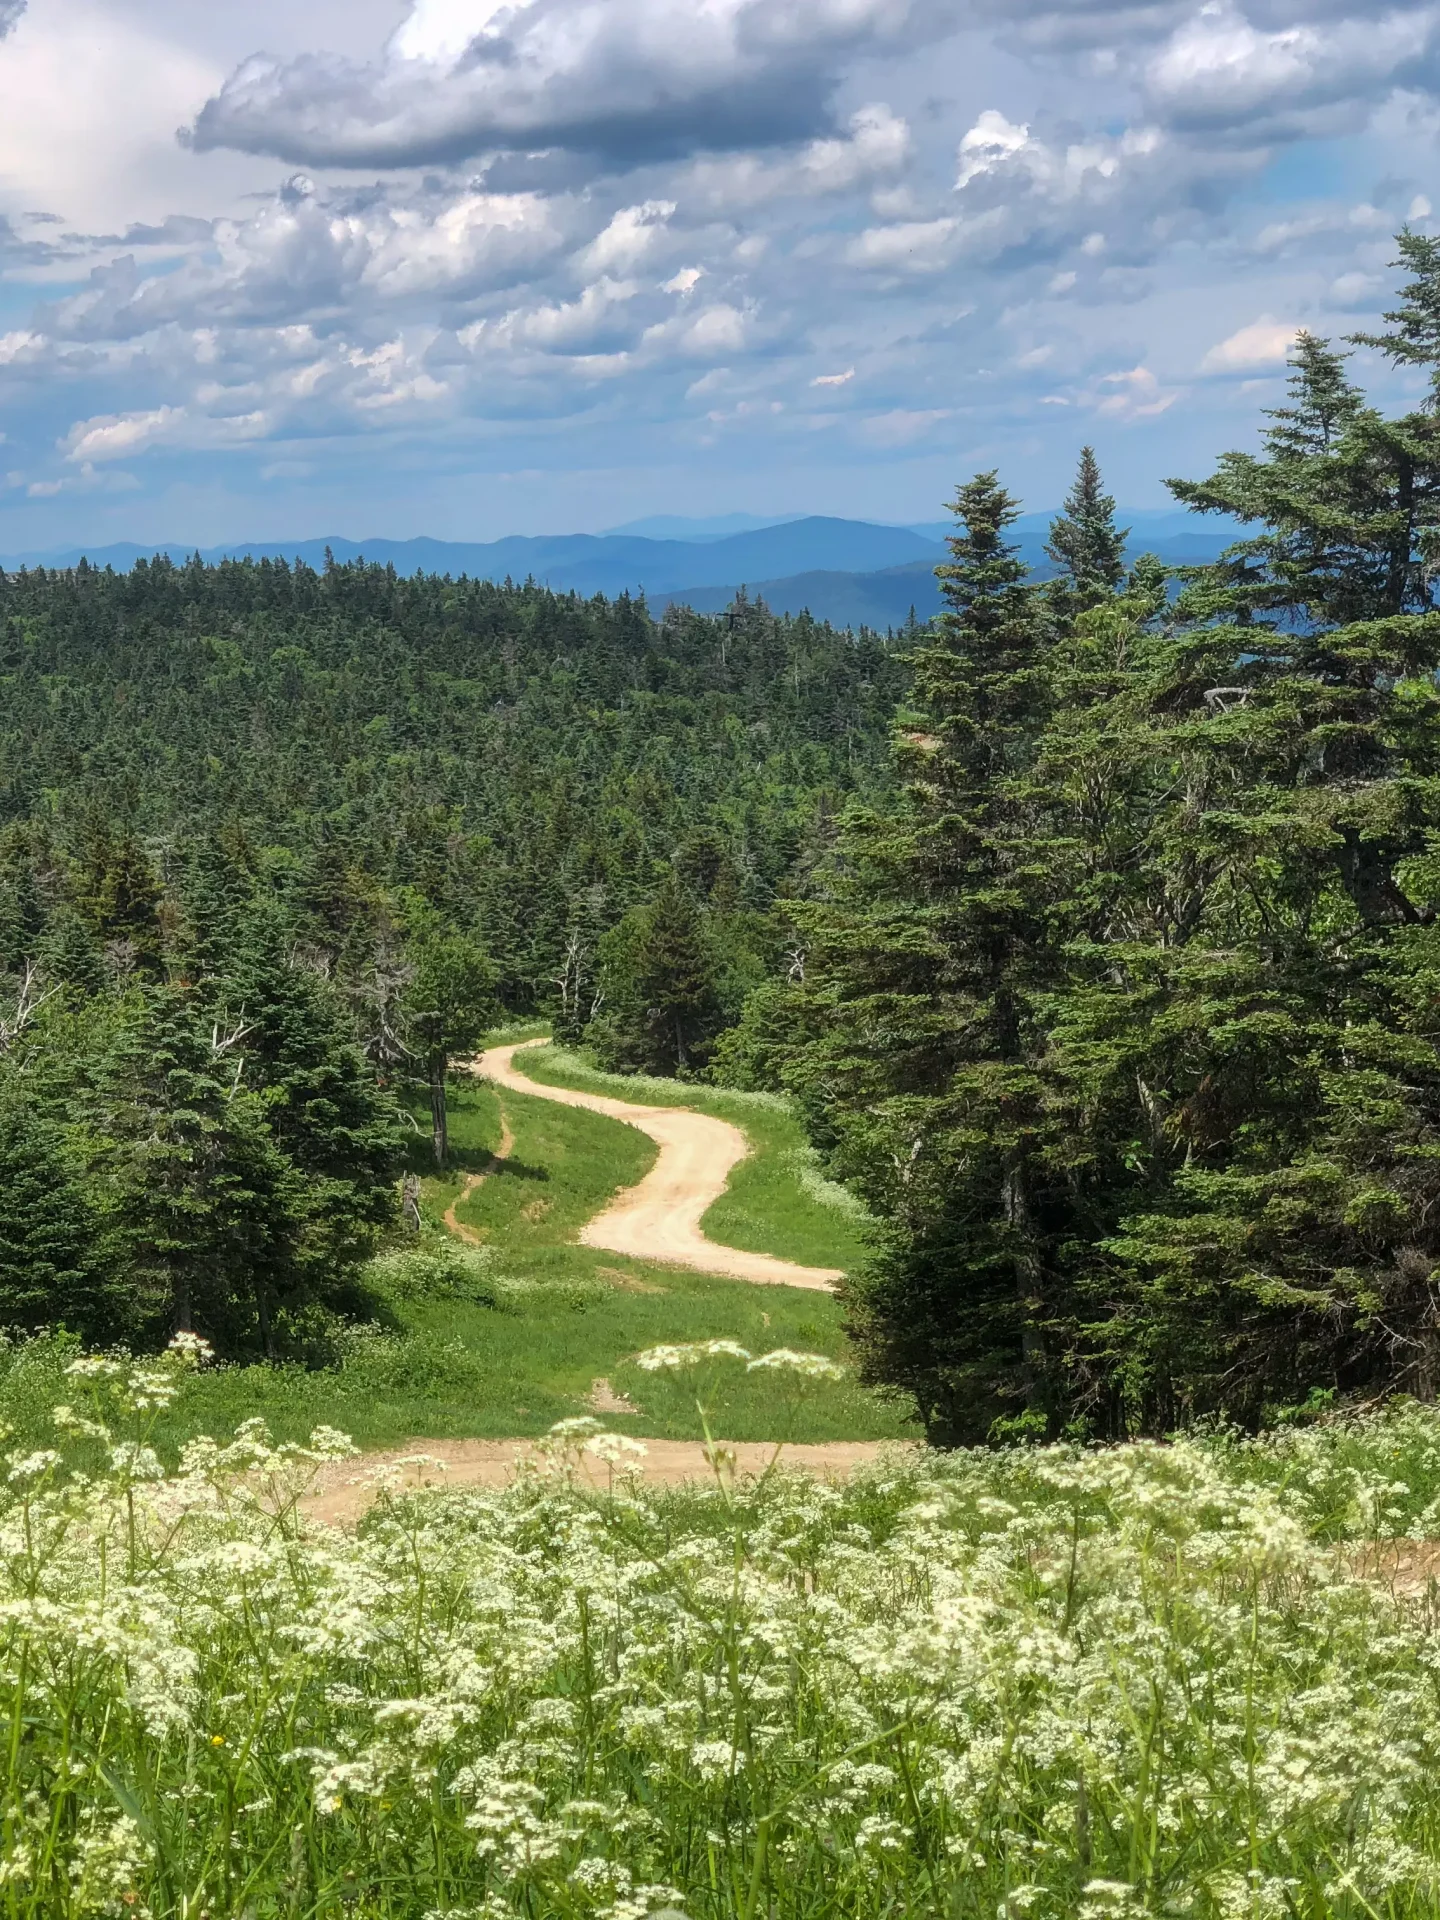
{"points": [[409, 983]]}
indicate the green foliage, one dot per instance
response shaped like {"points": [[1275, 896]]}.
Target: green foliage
{"points": [[1123, 1022], [51, 1268], [1085, 541], [658, 978], [451, 1001], [274, 845]]}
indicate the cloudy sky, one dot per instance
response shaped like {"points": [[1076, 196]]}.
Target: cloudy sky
{"points": [[468, 267]]}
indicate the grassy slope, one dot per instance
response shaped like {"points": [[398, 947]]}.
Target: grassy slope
{"points": [[776, 1201], [567, 1314]]}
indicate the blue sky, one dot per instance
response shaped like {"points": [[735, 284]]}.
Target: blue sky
{"points": [[468, 268]]}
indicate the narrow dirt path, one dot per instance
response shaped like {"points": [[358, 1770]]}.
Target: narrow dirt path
{"points": [[347, 1488], [660, 1218], [473, 1180]]}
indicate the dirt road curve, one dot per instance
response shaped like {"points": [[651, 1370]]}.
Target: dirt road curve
{"points": [[660, 1218], [348, 1488]]}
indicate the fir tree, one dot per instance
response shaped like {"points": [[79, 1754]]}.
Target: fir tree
{"points": [[321, 1102], [1413, 336], [211, 1212], [926, 971], [51, 1269], [661, 1010], [1084, 539], [1323, 404]]}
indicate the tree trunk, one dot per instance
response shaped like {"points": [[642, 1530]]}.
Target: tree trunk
{"points": [[439, 1129], [262, 1311], [1028, 1288]]}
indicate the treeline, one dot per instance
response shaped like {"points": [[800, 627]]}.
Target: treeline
{"points": [[1126, 1020], [276, 845]]}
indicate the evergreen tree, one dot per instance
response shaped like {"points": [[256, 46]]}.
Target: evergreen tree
{"points": [[51, 1270], [71, 957], [321, 1102], [1413, 336], [1084, 539], [211, 1212], [1323, 403], [661, 1010], [118, 892], [926, 973], [1131, 1006]]}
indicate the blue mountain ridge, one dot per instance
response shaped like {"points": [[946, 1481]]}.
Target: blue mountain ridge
{"points": [[850, 572]]}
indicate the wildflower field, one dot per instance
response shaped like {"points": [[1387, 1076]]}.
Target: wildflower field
{"points": [[1190, 1679]]}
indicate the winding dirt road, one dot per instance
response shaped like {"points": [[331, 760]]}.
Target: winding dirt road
{"points": [[660, 1218]]}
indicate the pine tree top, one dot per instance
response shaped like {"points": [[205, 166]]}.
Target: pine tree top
{"points": [[1413, 337], [1084, 539]]}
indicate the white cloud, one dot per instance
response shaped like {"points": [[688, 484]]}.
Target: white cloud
{"points": [[89, 102], [833, 379], [1137, 395], [1265, 342], [916, 246], [990, 141], [569, 327], [112, 436], [876, 145], [629, 237], [1218, 69], [683, 282]]}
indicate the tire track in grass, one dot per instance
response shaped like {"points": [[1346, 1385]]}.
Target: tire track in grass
{"points": [[473, 1180]]}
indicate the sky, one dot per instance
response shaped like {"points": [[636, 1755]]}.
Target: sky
{"points": [[467, 268]]}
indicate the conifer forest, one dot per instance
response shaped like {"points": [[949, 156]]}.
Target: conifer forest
{"points": [[1042, 1008], [1091, 930]]}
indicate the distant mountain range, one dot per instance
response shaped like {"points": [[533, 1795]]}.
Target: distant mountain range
{"points": [[851, 572]]}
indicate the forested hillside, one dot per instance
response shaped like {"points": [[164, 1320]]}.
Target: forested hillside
{"points": [[277, 844]]}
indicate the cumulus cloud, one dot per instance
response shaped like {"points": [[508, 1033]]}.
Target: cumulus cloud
{"points": [[630, 79], [115, 436], [875, 145], [1219, 70], [666, 206], [10, 12], [1264, 343]]}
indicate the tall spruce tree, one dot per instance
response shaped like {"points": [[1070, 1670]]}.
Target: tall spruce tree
{"points": [[52, 1268], [1085, 541], [321, 1101], [927, 968], [211, 1212]]}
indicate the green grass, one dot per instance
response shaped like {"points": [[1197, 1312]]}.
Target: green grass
{"points": [[538, 1318], [777, 1200]]}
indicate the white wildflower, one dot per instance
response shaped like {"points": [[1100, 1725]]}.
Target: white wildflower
{"points": [[810, 1366]]}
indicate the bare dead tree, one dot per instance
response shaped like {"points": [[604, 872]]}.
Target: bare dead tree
{"points": [[28, 1002]]}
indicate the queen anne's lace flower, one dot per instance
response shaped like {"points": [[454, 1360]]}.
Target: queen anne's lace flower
{"points": [[946, 1682]]}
